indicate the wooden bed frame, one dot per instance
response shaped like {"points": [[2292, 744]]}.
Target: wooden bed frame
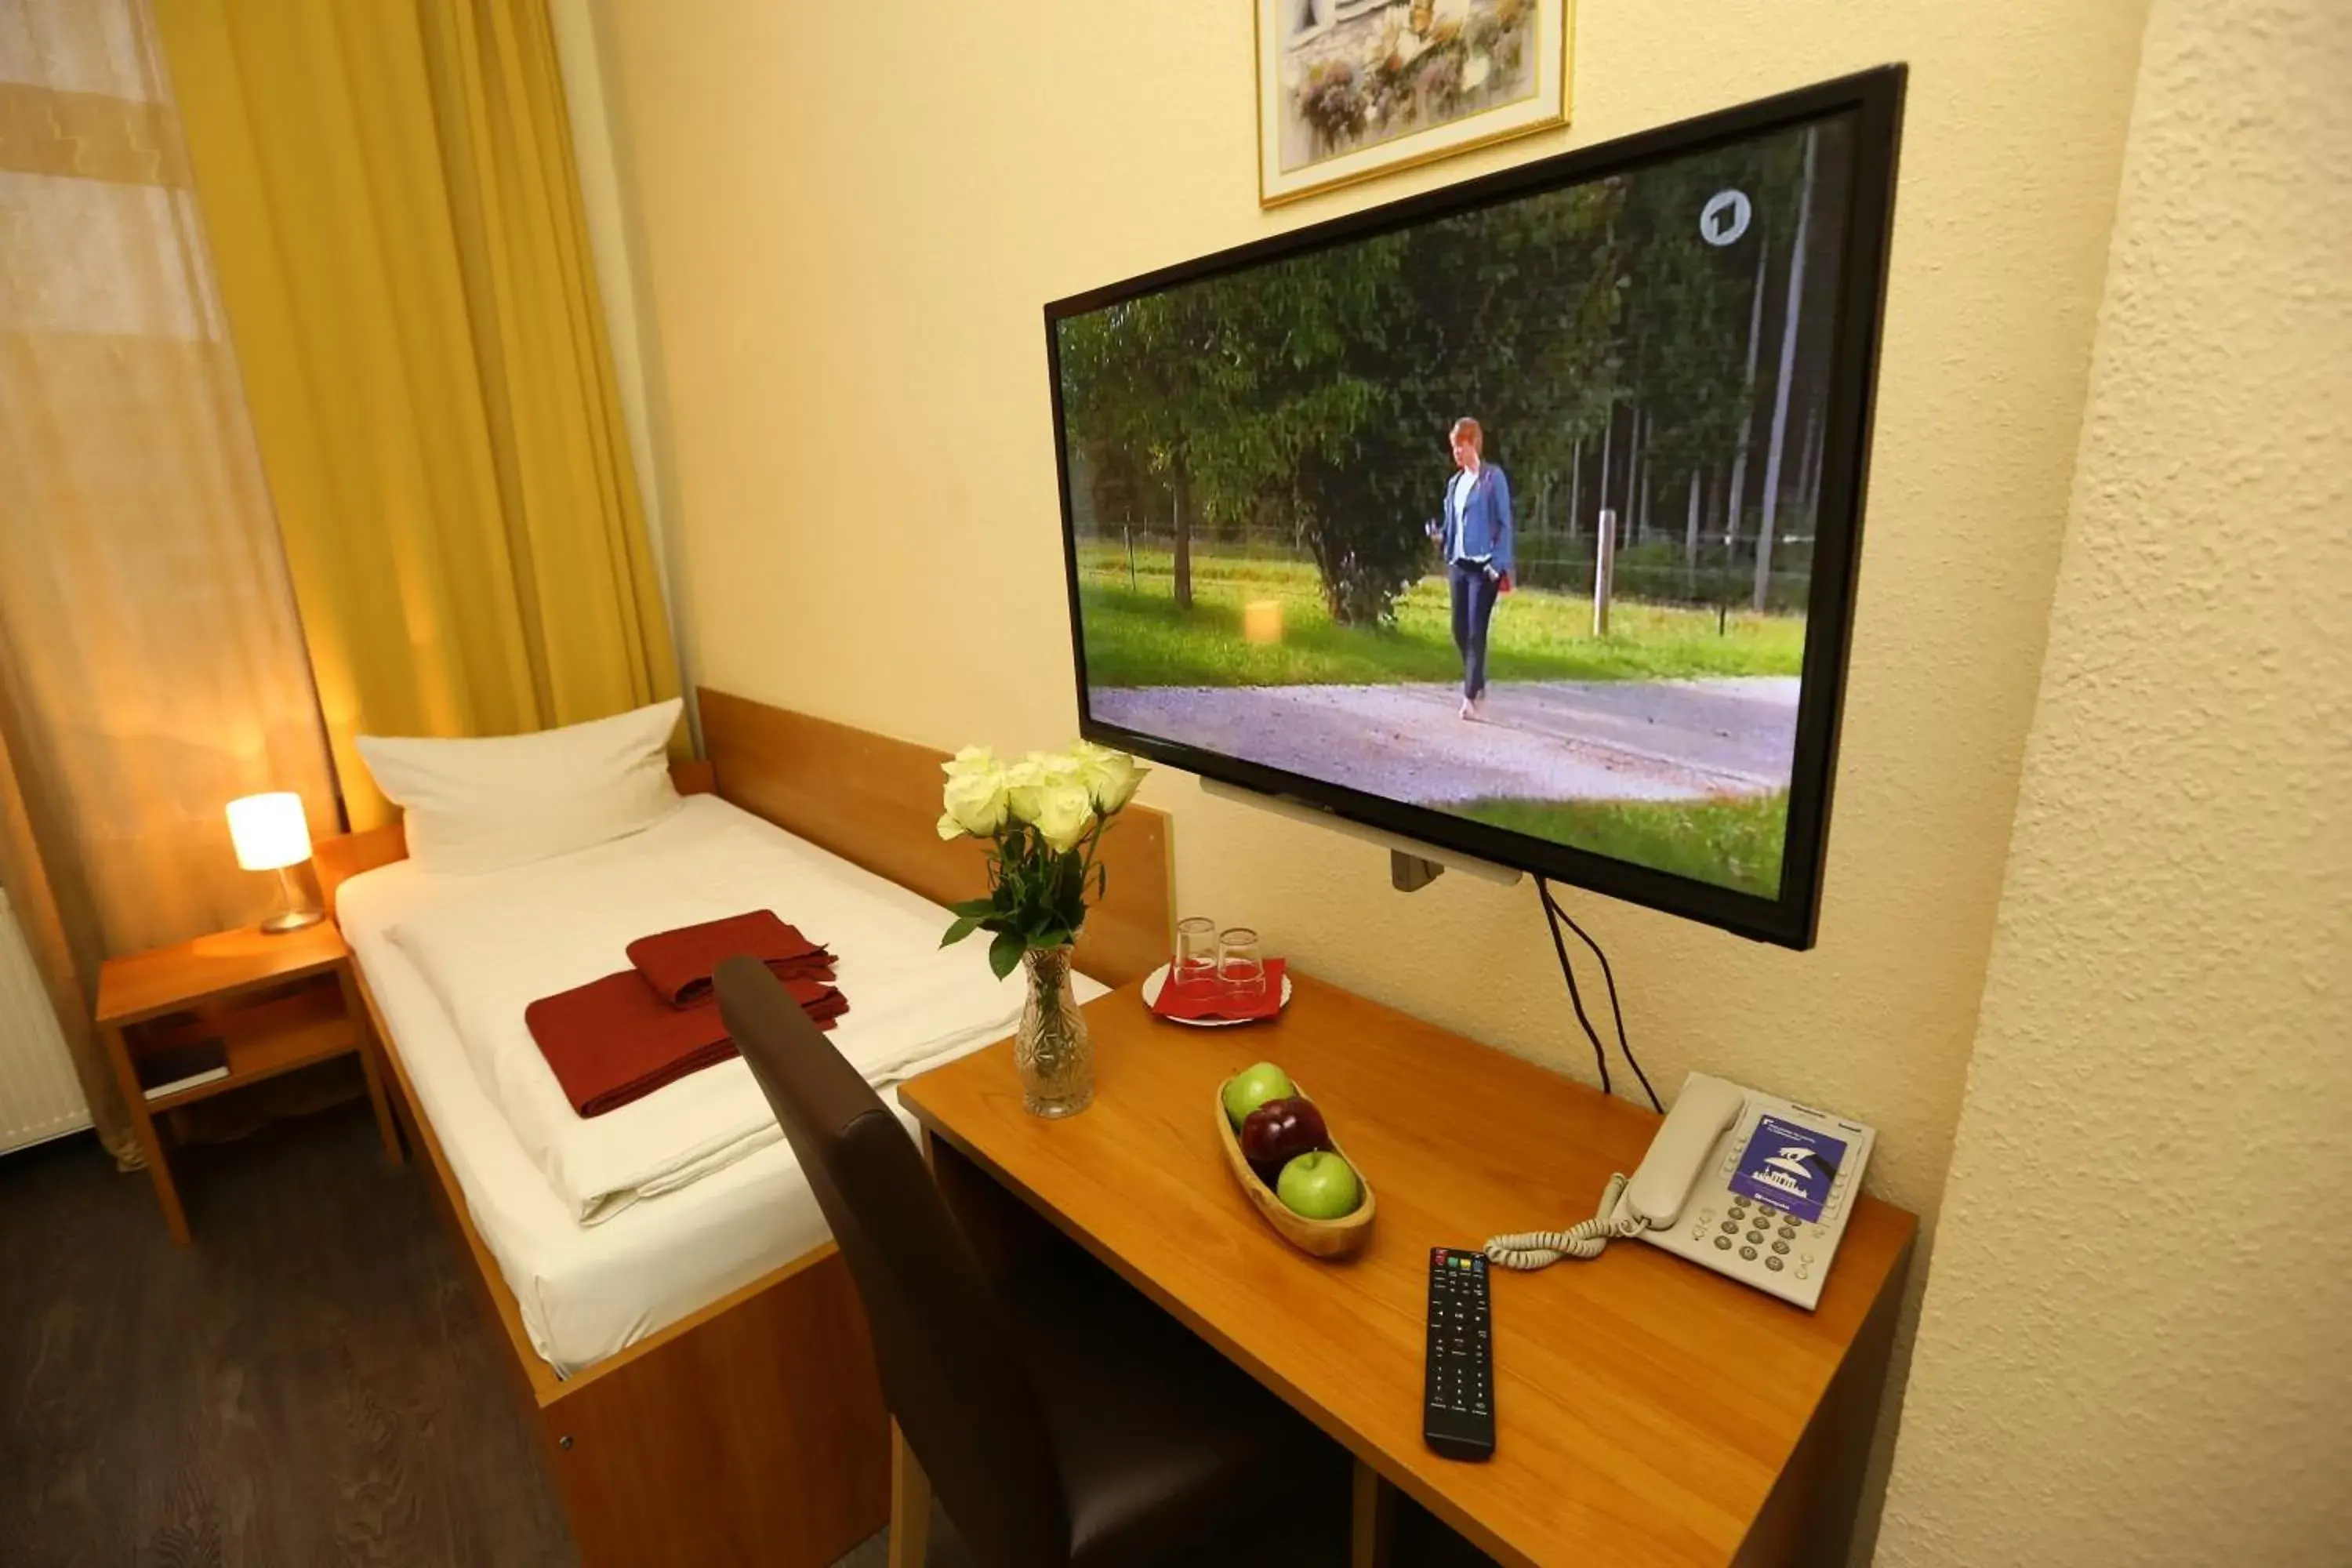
{"points": [[753, 1430]]}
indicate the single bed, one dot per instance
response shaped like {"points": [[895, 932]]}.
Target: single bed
{"points": [[697, 1361], [586, 1292]]}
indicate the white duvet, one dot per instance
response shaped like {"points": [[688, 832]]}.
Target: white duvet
{"points": [[547, 928]]}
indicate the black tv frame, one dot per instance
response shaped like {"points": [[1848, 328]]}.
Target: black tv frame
{"points": [[1875, 98]]}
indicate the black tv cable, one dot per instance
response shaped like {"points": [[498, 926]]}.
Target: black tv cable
{"points": [[1556, 917]]}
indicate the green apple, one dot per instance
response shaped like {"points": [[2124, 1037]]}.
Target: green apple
{"points": [[1253, 1087], [1320, 1185]]}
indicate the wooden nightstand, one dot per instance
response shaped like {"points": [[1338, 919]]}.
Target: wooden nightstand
{"points": [[276, 1003]]}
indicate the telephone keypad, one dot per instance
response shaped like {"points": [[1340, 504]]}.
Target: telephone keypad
{"points": [[1748, 1253], [1723, 1242], [1781, 1247], [1774, 1264]]}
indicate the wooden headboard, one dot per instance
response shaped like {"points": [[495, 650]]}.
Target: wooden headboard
{"points": [[875, 802]]}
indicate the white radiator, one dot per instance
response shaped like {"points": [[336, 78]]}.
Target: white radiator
{"points": [[39, 1096]]}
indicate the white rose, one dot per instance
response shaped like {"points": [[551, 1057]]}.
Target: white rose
{"points": [[979, 800], [971, 760], [1022, 782], [1061, 815], [1110, 777], [950, 827], [1032, 775]]}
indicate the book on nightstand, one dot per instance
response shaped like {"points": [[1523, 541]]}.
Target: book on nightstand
{"points": [[177, 1067]]}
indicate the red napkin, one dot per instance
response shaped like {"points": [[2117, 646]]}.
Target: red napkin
{"points": [[613, 1040], [677, 964], [1215, 1001]]}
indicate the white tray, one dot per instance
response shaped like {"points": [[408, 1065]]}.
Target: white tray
{"points": [[1158, 977]]}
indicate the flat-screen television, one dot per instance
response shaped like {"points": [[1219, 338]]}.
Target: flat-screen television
{"points": [[1518, 519]]}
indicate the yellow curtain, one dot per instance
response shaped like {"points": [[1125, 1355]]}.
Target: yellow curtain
{"points": [[397, 224], [152, 666]]}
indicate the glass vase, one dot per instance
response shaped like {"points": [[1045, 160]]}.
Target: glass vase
{"points": [[1052, 1049]]}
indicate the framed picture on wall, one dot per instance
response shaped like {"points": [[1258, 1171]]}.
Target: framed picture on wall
{"points": [[1351, 88]]}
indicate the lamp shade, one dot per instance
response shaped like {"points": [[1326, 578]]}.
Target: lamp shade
{"points": [[269, 831]]}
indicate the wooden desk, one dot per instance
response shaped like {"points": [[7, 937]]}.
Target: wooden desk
{"points": [[1648, 1411]]}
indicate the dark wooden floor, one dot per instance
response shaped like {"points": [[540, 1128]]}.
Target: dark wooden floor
{"points": [[310, 1382]]}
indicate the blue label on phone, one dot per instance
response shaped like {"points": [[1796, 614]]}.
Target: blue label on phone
{"points": [[1790, 1167]]}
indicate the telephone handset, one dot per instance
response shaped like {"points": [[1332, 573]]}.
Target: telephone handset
{"points": [[1747, 1183]]}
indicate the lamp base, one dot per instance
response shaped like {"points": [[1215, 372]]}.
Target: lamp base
{"points": [[296, 915]]}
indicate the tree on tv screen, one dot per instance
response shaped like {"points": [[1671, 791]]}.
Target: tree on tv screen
{"points": [[1598, 337]]}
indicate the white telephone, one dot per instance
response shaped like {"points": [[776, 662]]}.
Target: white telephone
{"points": [[1747, 1183]]}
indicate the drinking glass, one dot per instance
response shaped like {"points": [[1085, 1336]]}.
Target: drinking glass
{"points": [[1196, 969], [1241, 969]]}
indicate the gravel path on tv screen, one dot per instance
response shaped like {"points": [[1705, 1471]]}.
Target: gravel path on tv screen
{"points": [[1614, 740]]}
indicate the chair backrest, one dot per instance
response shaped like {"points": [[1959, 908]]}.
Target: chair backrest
{"points": [[950, 1371]]}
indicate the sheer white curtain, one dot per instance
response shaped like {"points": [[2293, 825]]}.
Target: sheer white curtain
{"points": [[151, 665]]}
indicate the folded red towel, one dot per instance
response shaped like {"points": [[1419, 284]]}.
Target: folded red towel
{"points": [[677, 964], [1215, 1001], [613, 1040]]}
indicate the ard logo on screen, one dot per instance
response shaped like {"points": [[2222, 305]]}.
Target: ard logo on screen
{"points": [[1725, 217], [1791, 1168]]}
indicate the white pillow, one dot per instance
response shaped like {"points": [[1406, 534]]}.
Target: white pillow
{"points": [[509, 800]]}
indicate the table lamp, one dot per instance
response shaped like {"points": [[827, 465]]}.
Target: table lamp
{"points": [[271, 835]]}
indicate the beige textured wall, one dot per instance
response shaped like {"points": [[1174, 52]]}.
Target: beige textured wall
{"points": [[850, 219], [2133, 1350]]}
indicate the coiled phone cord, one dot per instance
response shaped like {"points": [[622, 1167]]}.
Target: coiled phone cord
{"points": [[1542, 1248]]}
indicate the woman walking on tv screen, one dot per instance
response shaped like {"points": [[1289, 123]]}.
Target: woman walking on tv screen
{"points": [[1474, 537]]}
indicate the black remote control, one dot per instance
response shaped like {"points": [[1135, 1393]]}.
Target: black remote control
{"points": [[1457, 1411]]}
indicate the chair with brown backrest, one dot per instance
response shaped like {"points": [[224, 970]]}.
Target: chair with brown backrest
{"points": [[1061, 1417]]}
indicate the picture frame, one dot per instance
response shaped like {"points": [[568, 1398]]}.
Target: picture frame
{"points": [[1352, 89]]}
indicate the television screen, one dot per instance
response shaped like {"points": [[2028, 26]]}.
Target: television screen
{"points": [[1519, 518]]}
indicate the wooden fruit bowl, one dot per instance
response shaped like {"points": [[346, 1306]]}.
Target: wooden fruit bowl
{"points": [[1341, 1237]]}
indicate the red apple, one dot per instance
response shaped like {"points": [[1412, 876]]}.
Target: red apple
{"points": [[1279, 1131]]}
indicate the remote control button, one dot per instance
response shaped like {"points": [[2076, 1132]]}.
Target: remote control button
{"points": [[1774, 1264], [1723, 1243], [1748, 1253]]}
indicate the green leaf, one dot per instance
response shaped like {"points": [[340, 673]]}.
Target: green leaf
{"points": [[973, 908], [1005, 953], [957, 932]]}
